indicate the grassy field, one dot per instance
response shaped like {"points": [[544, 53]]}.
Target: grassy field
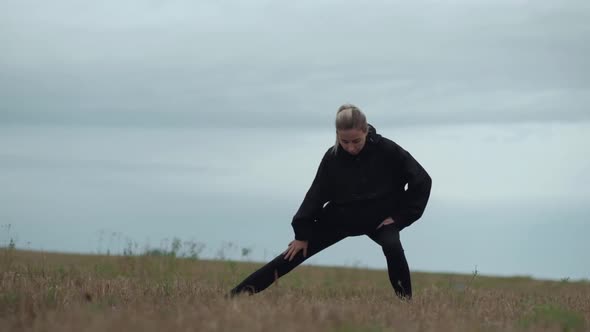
{"points": [[58, 292]]}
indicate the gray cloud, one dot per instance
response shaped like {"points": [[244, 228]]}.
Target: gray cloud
{"points": [[22, 162], [227, 64]]}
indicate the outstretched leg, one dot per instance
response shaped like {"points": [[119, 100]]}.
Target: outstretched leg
{"points": [[397, 265], [278, 267]]}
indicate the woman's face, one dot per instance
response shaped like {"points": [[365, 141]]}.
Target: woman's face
{"points": [[352, 140]]}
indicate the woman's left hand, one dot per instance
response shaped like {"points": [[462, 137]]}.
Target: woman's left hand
{"points": [[387, 221]]}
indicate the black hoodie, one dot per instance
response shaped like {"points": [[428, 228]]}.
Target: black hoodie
{"points": [[379, 172]]}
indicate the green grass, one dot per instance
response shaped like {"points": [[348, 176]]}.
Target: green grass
{"points": [[65, 292], [552, 315]]}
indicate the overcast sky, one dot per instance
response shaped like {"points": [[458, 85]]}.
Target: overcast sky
{"points": [[207, 120]]}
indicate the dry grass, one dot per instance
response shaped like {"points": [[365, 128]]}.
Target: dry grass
{"points": [[55, 292]]}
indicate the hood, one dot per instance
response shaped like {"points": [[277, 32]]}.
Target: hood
{"points": [[372, 136]]}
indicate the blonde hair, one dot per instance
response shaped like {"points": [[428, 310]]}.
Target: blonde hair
{"points": [[349, 117]]}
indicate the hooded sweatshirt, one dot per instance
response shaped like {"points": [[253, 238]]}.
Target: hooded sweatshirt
{"points": [[373, 181]]}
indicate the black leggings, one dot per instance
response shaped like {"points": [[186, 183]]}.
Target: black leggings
{"points": [[386, 236]]}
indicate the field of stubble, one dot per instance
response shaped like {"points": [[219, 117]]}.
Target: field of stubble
{"points": [[57, 292]]}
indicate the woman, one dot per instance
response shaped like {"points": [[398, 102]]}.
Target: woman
{"points": [[365, 185]]}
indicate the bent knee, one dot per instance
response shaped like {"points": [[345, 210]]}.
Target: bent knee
{"points": [[392, 248]]}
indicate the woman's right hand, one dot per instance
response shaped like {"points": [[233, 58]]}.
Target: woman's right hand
{"points": [[294, 247]]}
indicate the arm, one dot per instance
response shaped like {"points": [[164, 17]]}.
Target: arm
{"points": [[312, 205], [413, 200]]}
